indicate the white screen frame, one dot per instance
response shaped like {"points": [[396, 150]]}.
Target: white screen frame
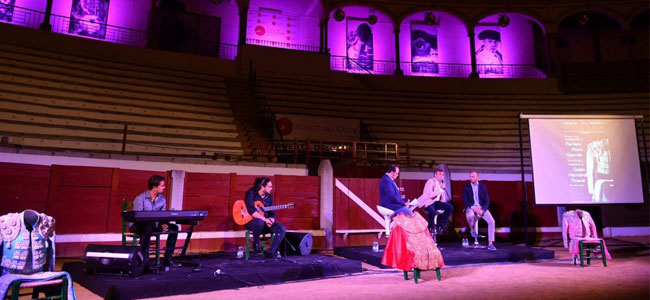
{"points": [[566, 201]]}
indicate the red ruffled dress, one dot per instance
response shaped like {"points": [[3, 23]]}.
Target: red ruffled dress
{"points": [[411, 246]]}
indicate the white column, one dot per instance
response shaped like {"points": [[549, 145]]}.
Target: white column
{"points": [[326, 173], [176, 190]]}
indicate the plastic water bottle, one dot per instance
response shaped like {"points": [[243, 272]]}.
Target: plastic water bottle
{"points": [[465, 242], [277, 255], [375, 247], [240, 252]]}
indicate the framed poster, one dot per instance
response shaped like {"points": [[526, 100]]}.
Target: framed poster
{"points": [[489, 57], [359, 44], [424, 48], [7, 10], [88, 18]]}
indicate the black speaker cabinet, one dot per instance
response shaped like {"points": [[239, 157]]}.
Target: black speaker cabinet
{"points": [[120, 260], [297, 243]]}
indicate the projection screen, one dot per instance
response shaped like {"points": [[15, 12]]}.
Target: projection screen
{"points": [[585, 160]]}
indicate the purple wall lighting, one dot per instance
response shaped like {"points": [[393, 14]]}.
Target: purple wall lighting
{"points": [[285, 24], [440, 49], [506, 51], [357, 46]]}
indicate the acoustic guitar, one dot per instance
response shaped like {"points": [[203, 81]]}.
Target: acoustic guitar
{"points": [[242, 217]]}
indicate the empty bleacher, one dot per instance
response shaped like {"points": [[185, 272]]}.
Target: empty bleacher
{"points": [[58, 101], [464, 130]]}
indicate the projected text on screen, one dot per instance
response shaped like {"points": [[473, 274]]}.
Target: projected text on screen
{"points": [[585, 161]]}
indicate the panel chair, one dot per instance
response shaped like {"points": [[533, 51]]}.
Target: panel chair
{"points": [[435, 224], [387, 214], [476, 243]]}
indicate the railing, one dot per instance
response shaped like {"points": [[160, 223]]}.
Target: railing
{"points": [[114, 34], [184, 32], [30, 18], [275, 44], [311, 152], [382, 67], [428, 69], [353, 65], [24, 17], [227, 51], [509, 71]]}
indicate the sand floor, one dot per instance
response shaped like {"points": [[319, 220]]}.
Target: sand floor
{"points": [[623, 278]]}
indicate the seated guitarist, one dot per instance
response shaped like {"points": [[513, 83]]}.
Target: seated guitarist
{"points": [[266, 223], [150, 200]]}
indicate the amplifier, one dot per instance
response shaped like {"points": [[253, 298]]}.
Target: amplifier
{"points": [[297, 243], [120, 260]]}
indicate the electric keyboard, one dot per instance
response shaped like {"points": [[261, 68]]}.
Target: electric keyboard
{"points": [[179, 216]]}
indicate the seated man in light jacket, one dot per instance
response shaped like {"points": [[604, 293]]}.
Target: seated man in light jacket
{"points": [[434, 198]]}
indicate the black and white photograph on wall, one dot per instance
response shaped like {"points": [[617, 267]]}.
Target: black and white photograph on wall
{"points": [[7, 10], [489, 57], [89, 18], [424, 48], [360, 50]]}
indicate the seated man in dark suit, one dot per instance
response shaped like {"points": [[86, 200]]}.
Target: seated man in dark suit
{"points": [[389, 195], [477, 202]]}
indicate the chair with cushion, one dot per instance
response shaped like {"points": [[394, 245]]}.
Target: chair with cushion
{"points": [[265, 239]]}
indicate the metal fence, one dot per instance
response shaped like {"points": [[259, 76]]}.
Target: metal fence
{"points": [[358, 66], [509, 71], [382, 67], [283, 45], [227, 51], [24, 17], [113, 34], [30, 18]]}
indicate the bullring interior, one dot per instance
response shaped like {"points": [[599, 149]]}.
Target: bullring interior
{"points": [[320, 96]]}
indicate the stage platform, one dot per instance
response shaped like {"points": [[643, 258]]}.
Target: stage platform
{"points": [[454, 254], [217, 272]]}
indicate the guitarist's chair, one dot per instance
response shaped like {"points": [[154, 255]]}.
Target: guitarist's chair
{"points": [[266, 239], [56, 288], [241, 217]]}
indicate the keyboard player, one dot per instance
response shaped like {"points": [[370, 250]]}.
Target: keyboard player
{"points": [[154, 200]]}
